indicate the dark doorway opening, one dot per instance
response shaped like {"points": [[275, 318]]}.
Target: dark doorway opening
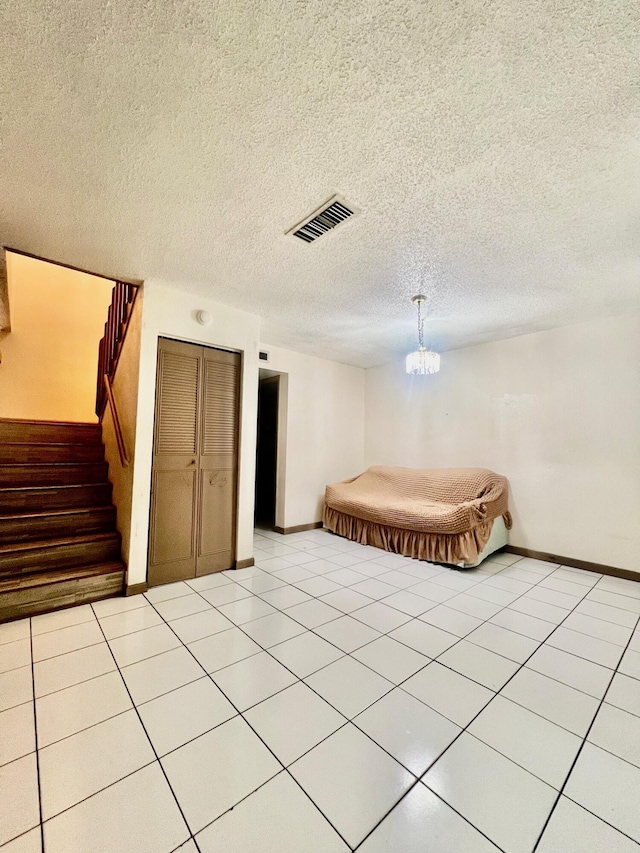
{"points": [[267, 452]]}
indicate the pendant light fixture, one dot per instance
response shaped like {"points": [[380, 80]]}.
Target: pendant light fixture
{"points": [[422, 361]]}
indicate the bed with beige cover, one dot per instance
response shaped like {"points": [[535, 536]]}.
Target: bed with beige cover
{"points": [[443, 515]]}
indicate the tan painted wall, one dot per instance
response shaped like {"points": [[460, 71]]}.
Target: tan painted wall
{"points": [[125, 392], [50, 358]]}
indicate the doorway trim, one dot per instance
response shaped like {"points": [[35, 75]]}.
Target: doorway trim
{"points": [[281, 443]]}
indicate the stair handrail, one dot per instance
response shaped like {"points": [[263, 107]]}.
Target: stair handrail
{"points": [[115, 329], [122, 448]]}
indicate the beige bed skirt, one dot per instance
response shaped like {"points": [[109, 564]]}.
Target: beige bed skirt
{"points": [[434, 547]]}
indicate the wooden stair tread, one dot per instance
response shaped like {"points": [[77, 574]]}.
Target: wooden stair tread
{"points": [[63, 465], [47, 524], [16, 499], [66, 487], [57, 513], [56, 508], [33, 432], [49, 488], [51, 576], [36, 454], [61, 542], [23, 474], [14, 445], [42, 423]]}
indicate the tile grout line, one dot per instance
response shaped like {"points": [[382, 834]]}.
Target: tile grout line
{"points": [[458, 640], [257, 734], [408, 590], [205, 674], [409, 619], [435, 794], [554, 568], [347, 721], [436, 604], [593, 814], [35, 727], [482, 622], [418, 779], [106, 787], [347, 654], [584, 740], [157, 758], [63, 627], [464, 729], [70, 651], [87, 728], [343, 653], [430, 660], [588, 589]]}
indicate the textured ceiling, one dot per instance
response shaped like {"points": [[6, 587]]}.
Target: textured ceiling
{"points": [[493, 148]]}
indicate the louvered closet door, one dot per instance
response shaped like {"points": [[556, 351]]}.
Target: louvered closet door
{"points": [[174, 480], [218, 461], [195, 462]]}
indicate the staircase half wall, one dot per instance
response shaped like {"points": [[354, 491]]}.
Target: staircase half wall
{"points": [[125, 395]]}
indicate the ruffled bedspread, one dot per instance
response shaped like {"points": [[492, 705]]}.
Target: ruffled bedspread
{"points": [[435, 514]]}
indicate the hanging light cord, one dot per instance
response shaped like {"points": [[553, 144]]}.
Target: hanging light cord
{"points": [[422, 361], [420, 325]]}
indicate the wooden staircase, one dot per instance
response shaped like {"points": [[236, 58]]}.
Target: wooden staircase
{"points": [[58, 540]]}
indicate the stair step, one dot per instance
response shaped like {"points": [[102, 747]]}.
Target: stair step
{"points": [[12, 453], [32, 557], [35, 432], [58, 540], [39, 498], [56, 523], [41, 592], [54, 474]]}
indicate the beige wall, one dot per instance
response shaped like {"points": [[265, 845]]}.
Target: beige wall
{"points": [[125, 393], [557, 412], [320, 431], [50, 358], [170, 312]]}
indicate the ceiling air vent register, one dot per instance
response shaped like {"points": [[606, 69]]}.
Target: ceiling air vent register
{"points": [[324, 219]]}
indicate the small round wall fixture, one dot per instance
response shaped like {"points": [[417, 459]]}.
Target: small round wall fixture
{"points": [[422, 361], [203, 317]]}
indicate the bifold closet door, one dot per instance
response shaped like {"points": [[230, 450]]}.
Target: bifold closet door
{"points": [[194, 475], [218, 461]]}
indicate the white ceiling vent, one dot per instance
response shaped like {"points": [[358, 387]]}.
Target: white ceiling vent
{"points": [[325, 218]]}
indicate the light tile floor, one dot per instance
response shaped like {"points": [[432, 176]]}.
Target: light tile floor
{"points": [[331, 698]]}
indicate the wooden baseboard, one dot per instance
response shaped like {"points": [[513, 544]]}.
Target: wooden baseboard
{"points": [[574, 563], [136, 588], [244, 564], [298, 528]]}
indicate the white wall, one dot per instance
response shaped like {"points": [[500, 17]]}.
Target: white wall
{"points": [[557, 412], [50, 358], [169, 312], [320, 430]]}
